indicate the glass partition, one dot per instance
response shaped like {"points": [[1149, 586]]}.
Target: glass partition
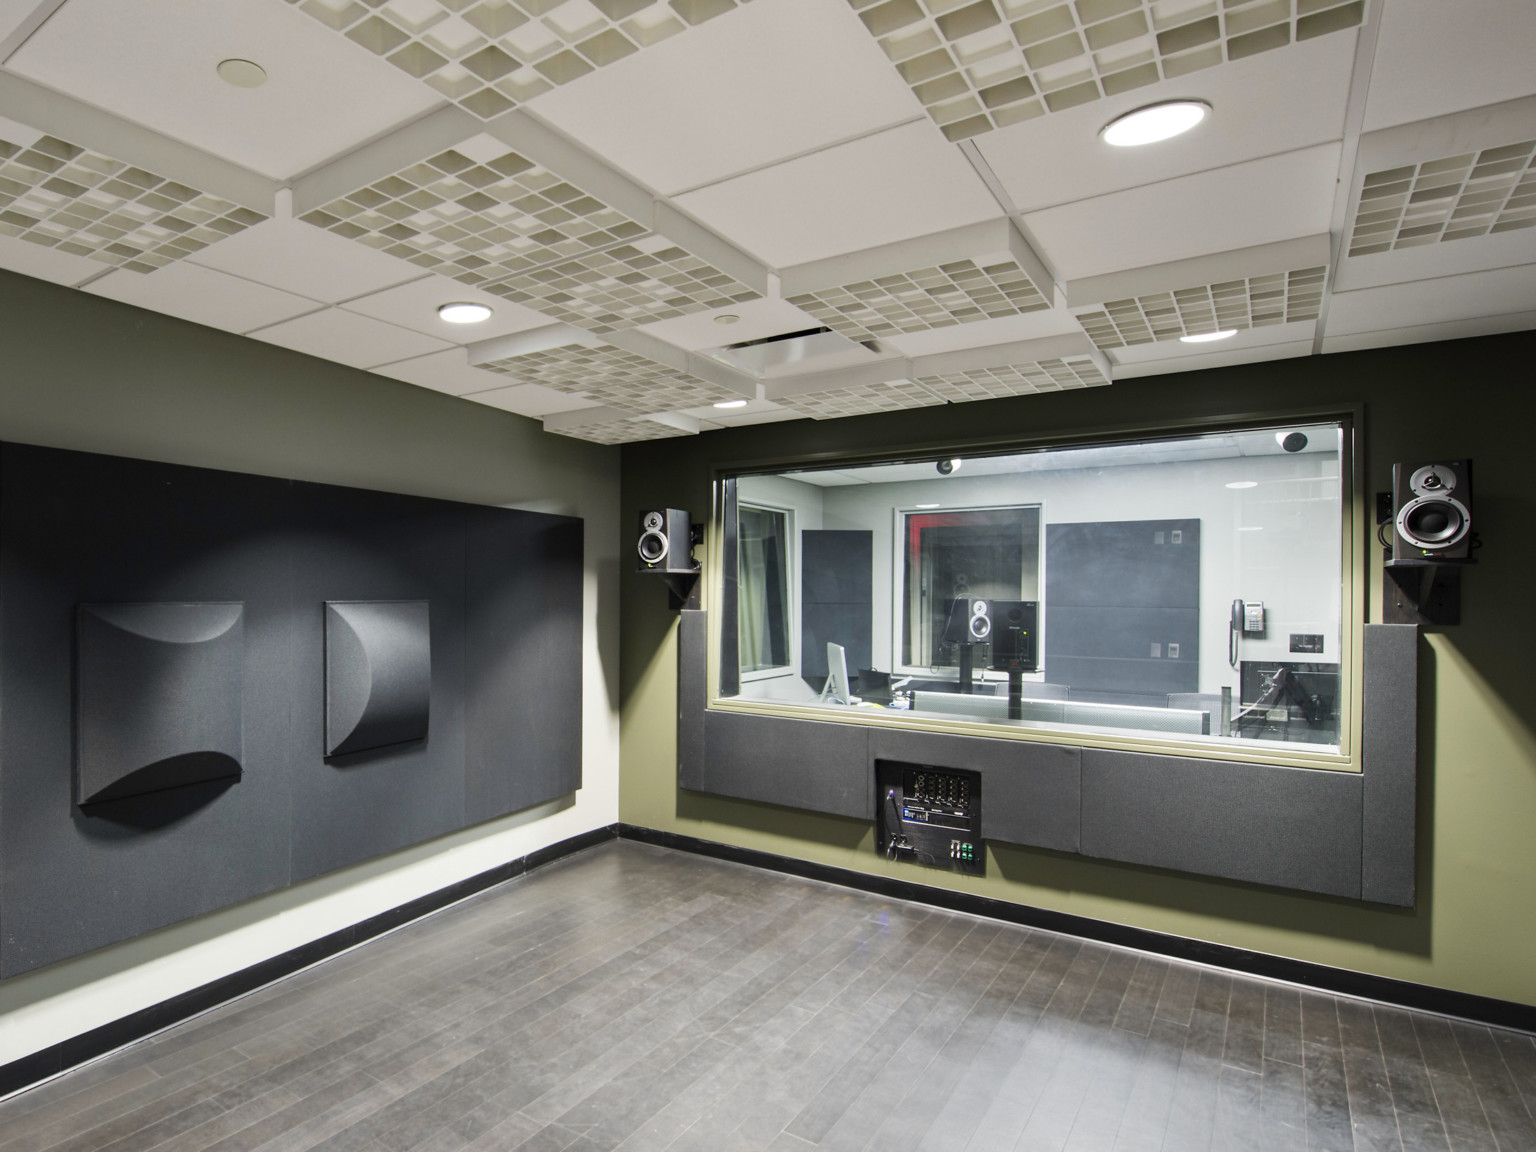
{"points": [[1183, 588]]}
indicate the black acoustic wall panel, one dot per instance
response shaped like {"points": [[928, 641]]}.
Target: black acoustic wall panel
{"points": [[797, 763], [523, 588], [1117, 594], [355, 545], [378, 674], [1389, 757], [836, 599], [158, 697], [75, 529], [80, 529], [692, 660]]}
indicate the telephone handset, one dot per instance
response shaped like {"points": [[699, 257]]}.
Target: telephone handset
{"points": [[1247, 616]]}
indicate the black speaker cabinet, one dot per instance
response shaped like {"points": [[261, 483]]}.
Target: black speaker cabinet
{"points": [[1431, 513], [666, 542]]}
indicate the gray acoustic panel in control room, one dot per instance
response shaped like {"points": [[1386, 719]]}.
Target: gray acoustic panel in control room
{"points": [[355, 545], [692, 661], [378, 674], [83, 529], [158, 697], [523, 650], [836, 599], [823, 767], [1289, 827], [1389, 763], [1031, 793]]}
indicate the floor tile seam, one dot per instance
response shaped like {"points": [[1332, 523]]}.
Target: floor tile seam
{"points": [[903, 949], [244, 1127], [33, 1114], [1478, 1081]]}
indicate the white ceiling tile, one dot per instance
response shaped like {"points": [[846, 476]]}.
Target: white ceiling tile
{"points": [[1434, 58], [908, 181], [13, 13], [296, 257], [759, 318], [1427, 261], [1465, 297], [448, 372], [741, 420], [728, 415], [203, 296], [414, 306], [774, 79], [1257, 202], [531, 400], [348, 338], [1245, 341], [154, 61], [1261, 105], [34, 260], [1195, 363], [984, 333], [1424, 333]]}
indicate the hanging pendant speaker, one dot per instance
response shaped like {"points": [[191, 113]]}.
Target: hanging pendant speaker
{"points": [[1431, 513]]}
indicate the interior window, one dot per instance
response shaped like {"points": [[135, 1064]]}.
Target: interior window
{"points": [[1185, 589]]}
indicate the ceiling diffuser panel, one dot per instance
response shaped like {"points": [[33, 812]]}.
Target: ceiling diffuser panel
{"points": [[987, 64], [1053, 375], [862, 399], [490, 55], [154, 62], [612, 376], [1252, 302], [56, 194]]}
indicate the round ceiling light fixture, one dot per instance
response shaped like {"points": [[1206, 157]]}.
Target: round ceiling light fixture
{"points": [[1207, 337], [730, 404], [1153, 123], [464, 313], [727, 318], [242, 73]]}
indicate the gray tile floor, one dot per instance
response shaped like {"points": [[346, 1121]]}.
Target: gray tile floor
{"points": [[639, 999]]}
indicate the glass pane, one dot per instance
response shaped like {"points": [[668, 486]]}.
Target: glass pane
{"points": [[1183, 587]]}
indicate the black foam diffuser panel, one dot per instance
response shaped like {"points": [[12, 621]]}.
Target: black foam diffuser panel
{"points": [[378, 674], [158, 700]]}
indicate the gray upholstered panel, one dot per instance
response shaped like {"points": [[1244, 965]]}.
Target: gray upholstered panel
{"points": [[692, 633], [836, 605], [378, 673], [1389, 757], [1290, 827], [798, 763], [1030, 793], [523, 645], [158, 697]]}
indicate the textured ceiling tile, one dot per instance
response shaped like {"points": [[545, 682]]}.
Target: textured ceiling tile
{"points": [[1258, 301], [61, 196], [924, 298], [491, 55], [991, 63], [862, 399], [619, 431], [1448, 198], [611, 376], [515, 229], [1015, 380]]}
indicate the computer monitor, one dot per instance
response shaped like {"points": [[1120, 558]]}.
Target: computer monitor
{"points": [[836, 690]]}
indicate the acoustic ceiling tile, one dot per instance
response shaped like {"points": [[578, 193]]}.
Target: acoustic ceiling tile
{"points": [[530, 400], [756, 319], [1197, 361], [984, 65], [621, 430], [985, 333], [348, 338], [1053, 375], [56, 194], [611, 376], [203, 296], [1450, 298], [307, 262], [890, 186], [414, 305], [448, 371], [45, 263], [1423, 333], [1254, 302], [1257, 202], [782, 79], [154, 62], [893, 396]]}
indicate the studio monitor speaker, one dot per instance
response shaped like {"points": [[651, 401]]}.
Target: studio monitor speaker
{"points": [[969, 621], [1431, 513], [666, 542]]}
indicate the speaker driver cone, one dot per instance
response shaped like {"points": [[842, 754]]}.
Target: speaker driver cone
{"points": [[653, 546], [1433, 523]]}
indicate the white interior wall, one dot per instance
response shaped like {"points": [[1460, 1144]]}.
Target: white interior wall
{"points": [[1291, 563]]}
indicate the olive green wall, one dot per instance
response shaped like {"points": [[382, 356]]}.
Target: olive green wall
{"points": [[1474, 929]]}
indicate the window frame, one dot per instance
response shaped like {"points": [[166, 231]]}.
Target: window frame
{"points": [[1356, 578], [791, 595]]}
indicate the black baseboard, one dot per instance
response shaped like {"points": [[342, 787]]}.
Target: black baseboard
{"points": [[1404, 993], [77, 1050]]}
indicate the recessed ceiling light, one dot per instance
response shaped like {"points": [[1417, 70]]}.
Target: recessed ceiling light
{"points": [[1207, 337], [1243, 484], [927, 506], [464, 313], [1153, 123], [727, 318], [731, 404], [242, 73], [1254, 528]]}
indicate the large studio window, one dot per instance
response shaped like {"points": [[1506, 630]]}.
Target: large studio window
{"points": [[1175, 590]]}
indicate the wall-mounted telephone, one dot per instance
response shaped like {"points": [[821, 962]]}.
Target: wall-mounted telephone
{"points": [[1247, 617]]}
